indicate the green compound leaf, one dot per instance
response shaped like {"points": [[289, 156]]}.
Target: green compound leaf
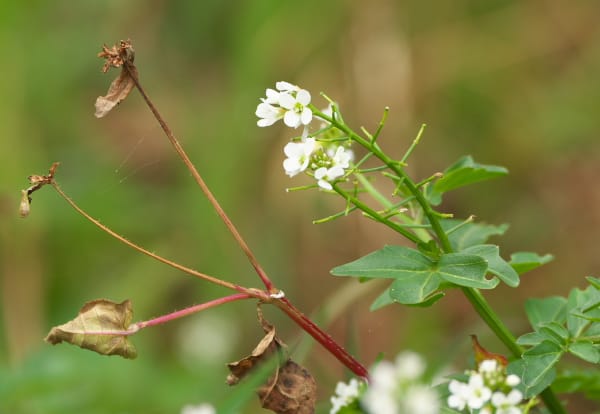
{"points": [[586, 381], [391, 262], [101, 326], [532, 338], [586, 350], [496, 264], [546, 310], [465, 270], [417, 277], [463, 172], [583, 307], [523, 262], [471, 234], [418, 300], [536, 368]]}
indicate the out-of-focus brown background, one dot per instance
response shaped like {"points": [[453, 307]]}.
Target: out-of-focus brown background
{"points": [[512, 83]]}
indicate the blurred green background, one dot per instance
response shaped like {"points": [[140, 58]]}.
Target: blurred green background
{"points": [[512, 83]]}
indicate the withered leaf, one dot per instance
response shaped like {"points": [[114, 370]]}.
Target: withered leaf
{"points": [[101, 326], [292, 390], [264, 350], [117, 92]]}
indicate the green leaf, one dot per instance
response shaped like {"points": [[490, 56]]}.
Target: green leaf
{"points": [[582, 302], [546, 310], [465, 270], [585, 350], [471, 234], [594, 281], [416, 290], [585, 381], [393, 262], [531, 338], [418, 278], [496, 264], [536, 368], [462, 173], [523, 262], [555, 332], [418, 300], [101, 326]]}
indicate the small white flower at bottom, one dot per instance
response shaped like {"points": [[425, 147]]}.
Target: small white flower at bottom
{"points": [[479, 394], [506, 404], [298, 156], [198, 409], [324, 175], [421, 399], [345, 394]]}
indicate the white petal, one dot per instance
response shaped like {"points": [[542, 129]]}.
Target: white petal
{"points": [[272, 96], [306, 116], [335, 172], [303, 96], [291, 119], [285, 86], [325, 185], [320, 173], [286, 101], [265, 122]]}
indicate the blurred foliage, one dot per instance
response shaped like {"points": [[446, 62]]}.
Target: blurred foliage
{"points": [[511, 83]]}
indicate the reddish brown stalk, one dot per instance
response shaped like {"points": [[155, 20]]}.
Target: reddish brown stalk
{"points": [[192, 309], [211, 198], [140, 249], [322, 337]]}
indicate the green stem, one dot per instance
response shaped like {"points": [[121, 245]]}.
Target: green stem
{"points": [[474, 296]]}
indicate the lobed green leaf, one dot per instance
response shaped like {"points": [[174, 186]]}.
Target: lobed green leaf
{"points": [[536, 367], [463, 172], [523, 262], [471, 234], [496, 264], [546, 310]]}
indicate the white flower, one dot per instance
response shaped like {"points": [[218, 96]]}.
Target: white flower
{"points": [[479, 394], [325, 175], [198, 409], [410, 365], [379, 401], [286, 101], [298, 156], [268, 114], [420, 399], [345, 394], [296, 111], [459, 394], [384, 376], [513, 380], [342, 157], [339, 160], [489, 365], [506, 404]]}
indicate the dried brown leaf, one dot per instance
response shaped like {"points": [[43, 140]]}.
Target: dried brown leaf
{"points": [[117, 56], [265, 349], [292, 390], [117, 92], [101, 326]]}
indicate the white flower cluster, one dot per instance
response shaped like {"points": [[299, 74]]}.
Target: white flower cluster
{"points": [[199, 409], [319, 157], [394, 388], [286, 101], [488, 390]]}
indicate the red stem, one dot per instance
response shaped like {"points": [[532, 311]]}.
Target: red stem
{"points": [[322, 337], [192, 309], [211, 198]]}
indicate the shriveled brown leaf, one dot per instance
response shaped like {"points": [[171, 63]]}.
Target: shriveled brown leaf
{"points": [[101, 326], [266, 348], [482, 354], [292, 390], [37, 182], [117, 56], [117, 92]]}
